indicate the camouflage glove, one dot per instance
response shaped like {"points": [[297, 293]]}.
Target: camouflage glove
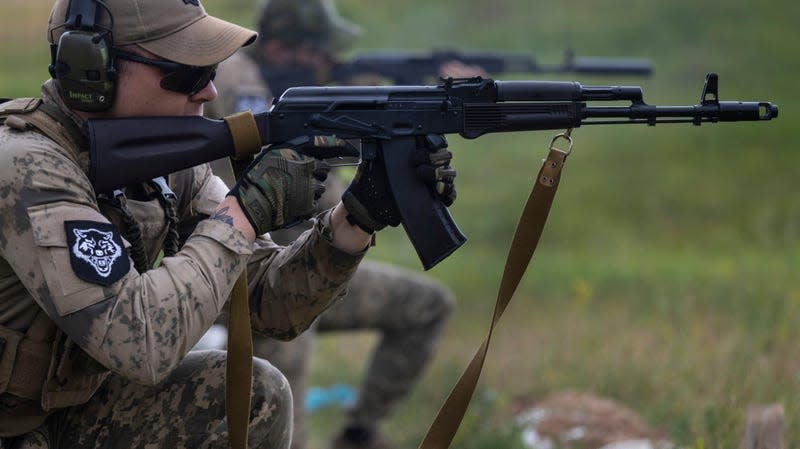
{"points": [[281, 186], [369, 200], [432, 162]]}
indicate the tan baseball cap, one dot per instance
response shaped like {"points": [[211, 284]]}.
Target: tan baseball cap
{"points": [[176, 30]]}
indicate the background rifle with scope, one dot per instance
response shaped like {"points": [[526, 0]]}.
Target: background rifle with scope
{"points": [[406, 67]]}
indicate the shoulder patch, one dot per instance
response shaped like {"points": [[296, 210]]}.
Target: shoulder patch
{"points": [[96, 251]]}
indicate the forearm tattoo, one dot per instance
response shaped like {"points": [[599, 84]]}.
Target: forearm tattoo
{"points": [[222, 215]]}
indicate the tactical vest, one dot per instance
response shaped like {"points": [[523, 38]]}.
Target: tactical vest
{"points": [[42, 369]]}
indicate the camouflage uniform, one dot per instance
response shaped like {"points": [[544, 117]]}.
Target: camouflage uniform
{"points": [[86, 364], [408, 309]]}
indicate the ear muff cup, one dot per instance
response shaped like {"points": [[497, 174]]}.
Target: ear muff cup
{"points": [[85, 71], [81, 60]]}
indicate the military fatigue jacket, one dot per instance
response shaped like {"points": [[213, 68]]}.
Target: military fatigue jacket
{"points": [[65, 271]]}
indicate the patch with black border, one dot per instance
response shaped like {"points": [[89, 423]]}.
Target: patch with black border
{"points": [[96, 251]]}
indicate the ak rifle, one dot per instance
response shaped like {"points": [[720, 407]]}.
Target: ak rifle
{"points": [[386, 119]]}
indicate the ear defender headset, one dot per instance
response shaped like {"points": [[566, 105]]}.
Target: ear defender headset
{"points": [[81, 61]]}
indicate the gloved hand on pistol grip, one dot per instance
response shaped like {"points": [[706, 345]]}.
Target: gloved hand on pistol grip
{"points": [[432, 162], [369, 200], [282, 185]]}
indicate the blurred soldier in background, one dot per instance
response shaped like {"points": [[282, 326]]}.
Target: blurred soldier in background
{"points": [[299, 42]]}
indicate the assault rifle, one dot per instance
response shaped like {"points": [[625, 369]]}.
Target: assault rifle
{"points": [[386, 119], [410, 68]]}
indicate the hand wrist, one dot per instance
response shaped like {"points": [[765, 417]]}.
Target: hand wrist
{"points": [[230, 212], [347, 237]]}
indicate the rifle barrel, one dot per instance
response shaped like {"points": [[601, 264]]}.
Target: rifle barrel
{"points": [[724, 111]]}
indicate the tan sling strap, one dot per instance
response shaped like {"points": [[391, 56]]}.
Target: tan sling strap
{"points": [[529, 230], [239, 365], [246, 139]]}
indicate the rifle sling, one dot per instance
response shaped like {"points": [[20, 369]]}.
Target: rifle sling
{"points": [[244, 131], [526, 237], [239, 365]]}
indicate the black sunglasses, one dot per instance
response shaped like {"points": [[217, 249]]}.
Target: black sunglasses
{"points": [[181, 78]]}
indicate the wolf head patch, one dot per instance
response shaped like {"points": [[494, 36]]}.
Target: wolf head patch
{"points": [[96, 251]]}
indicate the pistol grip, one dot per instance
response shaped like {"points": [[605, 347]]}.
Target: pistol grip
{"points": [[426, 220]]}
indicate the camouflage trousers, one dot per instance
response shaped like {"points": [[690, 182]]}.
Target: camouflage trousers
{"points": [[187, 410], [409, 311]]}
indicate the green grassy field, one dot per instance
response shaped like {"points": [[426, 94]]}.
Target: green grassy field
{"points": [[667, 277]]}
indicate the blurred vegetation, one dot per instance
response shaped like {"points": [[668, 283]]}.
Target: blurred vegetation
{"points": [[667, 277]]}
